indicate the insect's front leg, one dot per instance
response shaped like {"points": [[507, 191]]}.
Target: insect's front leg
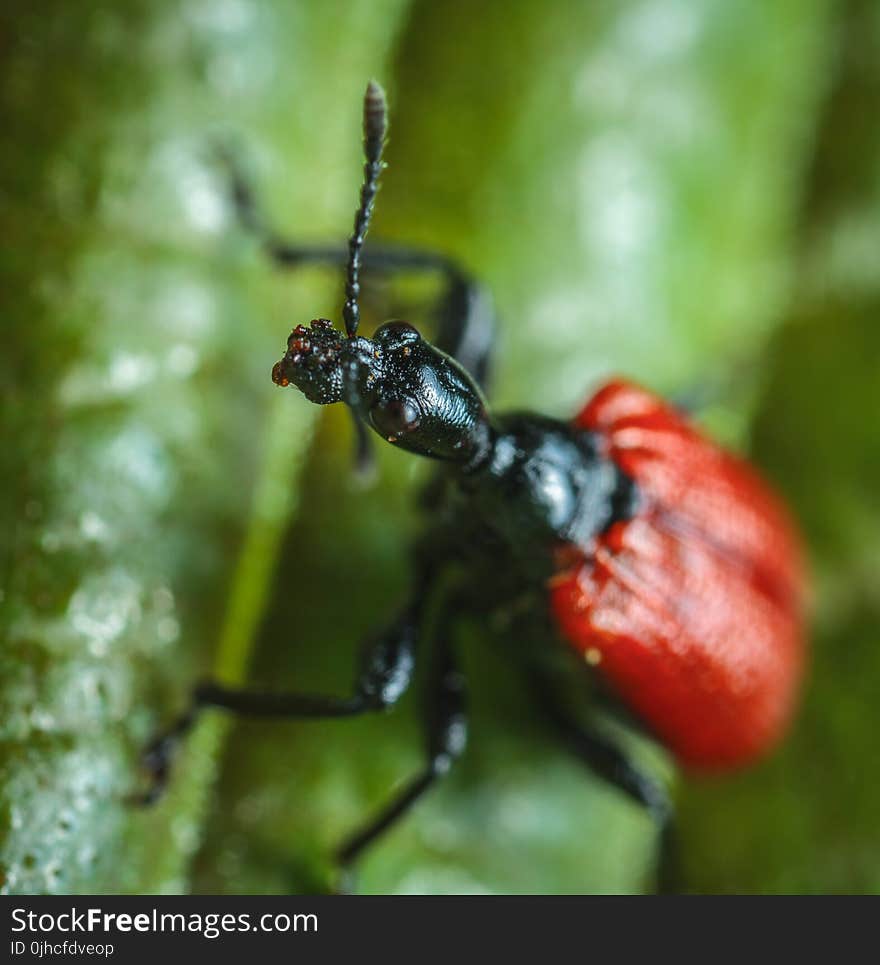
{"points": [[465, 318], [385, 671]]}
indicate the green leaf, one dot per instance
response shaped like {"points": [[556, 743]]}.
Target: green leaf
{"points": [[149, 468]]}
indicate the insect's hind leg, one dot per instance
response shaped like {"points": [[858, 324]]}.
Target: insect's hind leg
{"points": [[606, 759], [465, 318], [444, 714]]}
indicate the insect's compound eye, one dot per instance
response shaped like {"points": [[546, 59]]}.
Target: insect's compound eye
{"points": [[395, 417], [394, 334]]}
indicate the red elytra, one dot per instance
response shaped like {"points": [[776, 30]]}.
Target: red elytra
{"points": [[692, 611]]}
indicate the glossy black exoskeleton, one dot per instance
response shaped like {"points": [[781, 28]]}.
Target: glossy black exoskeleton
{"points": [[509, 491]]}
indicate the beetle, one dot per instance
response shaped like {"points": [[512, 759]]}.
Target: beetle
{"points": [[668, 565]]}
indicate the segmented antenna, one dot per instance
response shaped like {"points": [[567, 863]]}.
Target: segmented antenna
{"points": [[375, 125]]}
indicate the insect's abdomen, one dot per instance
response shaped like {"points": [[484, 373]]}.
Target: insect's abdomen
{"points": [[693, 610]]}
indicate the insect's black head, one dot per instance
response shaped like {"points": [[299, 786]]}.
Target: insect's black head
{"points": [[412, 394]]}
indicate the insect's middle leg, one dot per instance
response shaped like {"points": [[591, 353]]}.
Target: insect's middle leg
{"points": [[445, 720], [385, 672]]}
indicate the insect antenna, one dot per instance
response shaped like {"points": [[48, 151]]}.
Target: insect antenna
{"points": [[375, 126]]}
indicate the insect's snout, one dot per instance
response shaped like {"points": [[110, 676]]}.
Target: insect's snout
{"points": [[313, 362]]}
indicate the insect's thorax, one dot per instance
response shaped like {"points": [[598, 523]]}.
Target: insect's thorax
{"points": [[545, 484]]}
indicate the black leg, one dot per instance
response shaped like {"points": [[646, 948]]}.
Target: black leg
{"points": [[466, 318], [609, 762], [385, 672], [445, 721], [364, 462]]}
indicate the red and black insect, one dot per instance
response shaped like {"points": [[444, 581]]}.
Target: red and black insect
{"points": [[665, 561]]}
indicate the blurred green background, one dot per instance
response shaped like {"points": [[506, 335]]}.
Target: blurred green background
{"points": [[685, 191]]}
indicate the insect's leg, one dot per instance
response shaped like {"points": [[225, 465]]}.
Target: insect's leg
{"points": [[466, 317], [609, 762], [385, 672], [445, 721], [466, 325]]}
